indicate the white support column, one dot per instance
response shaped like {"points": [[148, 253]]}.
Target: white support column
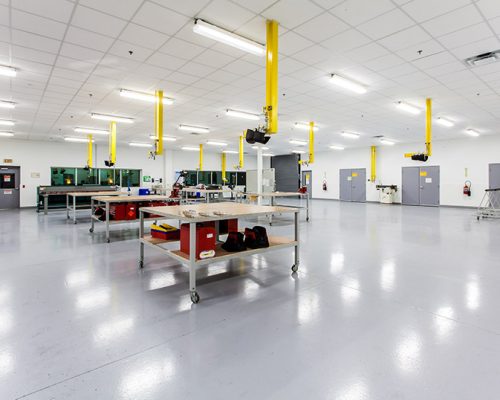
{"points": [[259, 174]]}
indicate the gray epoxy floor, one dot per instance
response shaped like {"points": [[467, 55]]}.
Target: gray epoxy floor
{"points": [[390, 303]]}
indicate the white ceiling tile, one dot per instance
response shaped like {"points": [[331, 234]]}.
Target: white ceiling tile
{"points": [[312, 55], [453, 21], [166, 60], [292, 13], [118, 8], [256, 6], [152, 71], [423, 10], [290, 43], [181, 48], [474, 49], [88, 39], [39, 25], [243, 68], [35, 41], [356, 12], [159, 18], [4, 16], [367, 52], [225, 14], [490, 8], [289, 65], [346, 41], [255, 29], [385, 25], [213, 59], [467, 35], [328, 4], [59, 10], [384, 62], [399, 70], [321, 27], [80, 53], [197, 69], [433, 60], [182, 78], [77, 65], [121, 49], [495, 24], [446, 68], [97, 22], [23, 53], [142, 36], [405, 38], [420, 50], [188, 8]]}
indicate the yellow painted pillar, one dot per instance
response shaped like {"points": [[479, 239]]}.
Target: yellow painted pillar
{"points": [[271, 108], [311, 142], [159, 122], [373, 152], [200, 166], [223, 160], [428, 127], [90, 161], [112, 142], [241, 156]]}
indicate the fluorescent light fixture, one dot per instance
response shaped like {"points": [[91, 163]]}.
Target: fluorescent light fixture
{"points": [[268, 155], [263, 147], [192, 128], [230, 152], [165, 138], [408, 108], [472, 132], [115, 118], [298, 142], [7, 71], [190, 148], [151, 98], [351, 135], [6, 134], [221, 35], [76, 140], [7, 104], [214, 143], [92, 131], [335, 147], [135, 144], [305, 126], [6, 122], [387, 142], [242, 114], [444, 122], [347, 84], [298, 151]]}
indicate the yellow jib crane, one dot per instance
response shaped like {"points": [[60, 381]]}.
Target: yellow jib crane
{"points": [[428, 135]]}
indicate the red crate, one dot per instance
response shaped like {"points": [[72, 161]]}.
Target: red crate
{"points": [[205, 239], [117, 212], [225, 225], [173, 235]]}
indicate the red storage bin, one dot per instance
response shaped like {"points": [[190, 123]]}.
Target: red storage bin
{"points": [[172, 235], [225, 225], [154, 204], [205, 238], [117, 212], [131, 211]]}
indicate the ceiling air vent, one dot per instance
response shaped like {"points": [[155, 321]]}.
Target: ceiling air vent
{"points": [[378, 136], [195, 133], [483, 59]]}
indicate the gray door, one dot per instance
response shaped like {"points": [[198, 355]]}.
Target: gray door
{"points": [[429, 186], [287, 172], [345, 184], [494, 176], [358, 185], [410, 193], [10, 178], [307, 181]]}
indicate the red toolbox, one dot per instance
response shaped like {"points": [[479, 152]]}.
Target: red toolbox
{"points": [[117, 212], [205, 238], [165, 232], [225, 225]]}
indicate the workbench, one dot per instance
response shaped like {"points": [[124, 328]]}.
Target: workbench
{"points": [[231, 210], [209, 194], [273, 195], [108, 200], [72, 206], [45, 192]]}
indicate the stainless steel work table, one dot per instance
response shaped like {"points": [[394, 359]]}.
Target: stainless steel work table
{"points": [[209, 193], [108, 200], [273, 195], [231, 210], [72, 206]]}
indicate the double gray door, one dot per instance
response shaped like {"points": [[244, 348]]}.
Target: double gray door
{"points": [[420, 186], [494, 173], [353, 185], [10, 179]]}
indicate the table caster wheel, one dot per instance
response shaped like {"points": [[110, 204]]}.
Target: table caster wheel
{"points": [[108, 240], [141, 264], [307, 219], [91, 230], [295, 268], [195, 297]]}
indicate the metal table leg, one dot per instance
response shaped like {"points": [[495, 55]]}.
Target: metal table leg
{"points": [[295, 266], [271, 215], [74, 209], [107, 222], [45, 204], [307, 207], [92, 221], [67, 206], [195, 298], [141, 235]]}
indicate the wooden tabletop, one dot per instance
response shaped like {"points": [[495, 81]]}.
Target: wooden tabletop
{"points": [[276, 194], [230, 210], [194, 190], [133, 199], [89, 194]]}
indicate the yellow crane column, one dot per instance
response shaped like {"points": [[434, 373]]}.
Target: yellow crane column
{"points": [[200, 166], [112, 143], [373, 152], [159, 122], [240, 153], [271, 109], [90, 161], [311, 142], [223, 160], [428, 127]]}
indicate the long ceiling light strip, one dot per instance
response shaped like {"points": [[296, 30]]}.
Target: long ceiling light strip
{"points": [[215, 143], [305, 126], [5, 122], [135, 144], [221, 35], [6, 134], [6, 70], [444, 122], [76, 140], [351, 135], [472, 132], [93, 131], [335, 147], [151, 98], [408, 108], [115, 118], [193, 128], [165, 138], [242, 114], [347, 84], [190, 148], [7, 104], [230, 151], [387, 142]]}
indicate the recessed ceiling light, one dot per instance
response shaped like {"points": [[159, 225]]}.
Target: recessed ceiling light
{"points": [[408, 108], [92, 131], [113, 118], [298, 151], [472, 132], [189, 148], [335, 147], [347, 84], [298, 142], [8, 71], [7, 104], [242, 114], [165, 138], [351, 135], [221, 35], [263, 147], [135, 144], [444, 122], [387, 142], [230, 151], [5, 122], [7, 134], [305, 126], [151, 98], [214, 143], [76, 140], [192, 128], [483, 59], [268, 154]]}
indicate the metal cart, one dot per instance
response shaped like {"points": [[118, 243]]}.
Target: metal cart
{"points": [[490, 204]]}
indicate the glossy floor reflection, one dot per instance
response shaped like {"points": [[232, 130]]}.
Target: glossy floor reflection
{"points": [[390, 303]]}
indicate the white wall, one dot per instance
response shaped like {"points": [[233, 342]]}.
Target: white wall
{"points": [[453, 157], [39, 156]]}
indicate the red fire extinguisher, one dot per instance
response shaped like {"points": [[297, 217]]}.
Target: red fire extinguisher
{"points": [[467, 186]]}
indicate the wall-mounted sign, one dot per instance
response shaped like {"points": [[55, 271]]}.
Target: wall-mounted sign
{"points": [[35, 175], [7, 192], [146, 178], [423, 173]]}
